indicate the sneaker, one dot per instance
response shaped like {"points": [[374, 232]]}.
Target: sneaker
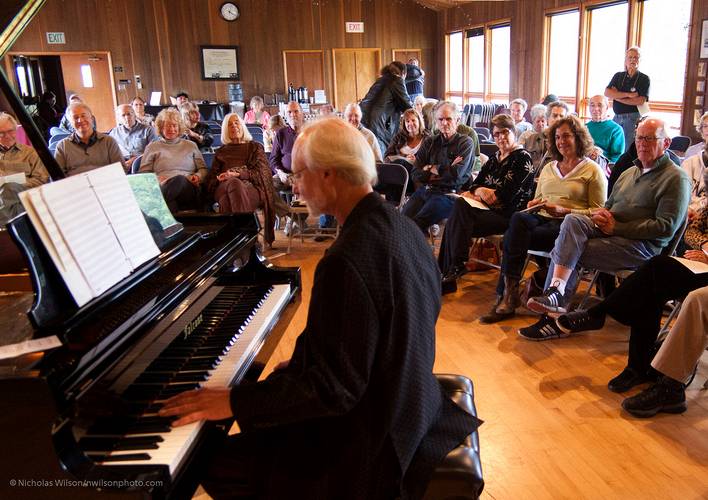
{"points": [[667, 395], [551, 301], [544, 329], [626, 380], [580, 321]]}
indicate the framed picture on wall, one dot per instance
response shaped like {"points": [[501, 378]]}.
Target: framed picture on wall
{"points": [[704, 40], [702, 69], [219, 62]]}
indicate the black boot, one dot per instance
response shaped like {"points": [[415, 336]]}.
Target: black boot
{"points": [[492, 316]]}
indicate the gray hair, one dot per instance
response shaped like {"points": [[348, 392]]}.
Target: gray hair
{"points": [[7, 117], [450, 104], [556, 104], [634, 48], [74, 105], [169, 115], [246, 135], [256, 99], [538, 110], [352, 107], [704, 117], [521, 102], [333, 143]]}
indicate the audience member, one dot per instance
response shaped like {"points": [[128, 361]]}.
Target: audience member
{"points": [[570, 184], [196, 131], [181, 99], [517, 108], [428, 112], [549, 99], [407, 141], [701, 128], [533, 140], [639, 303], [326, 110], [443, 164], [356, 413], [65, 123], [140, 114], [418, 104], [177, 162], [16, 158], [537, 142], [85, 149], [275, 123], [239, 179], [415, 79], [628, 89], [695, 168], [645, 209], [352, 114], [46, 110], [503, 186], [281, 156], [257, 114], [606, 134], [131, 136], [384, 102]]}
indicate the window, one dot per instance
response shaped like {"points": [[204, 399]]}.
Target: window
{"points": [[86, 76], [563, 55], [478, 63], [607, 45], [500, 61], [455, 74]]}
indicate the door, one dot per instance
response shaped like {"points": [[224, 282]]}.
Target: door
{"points": [[89, 76], [404, 55], [355, 70]]}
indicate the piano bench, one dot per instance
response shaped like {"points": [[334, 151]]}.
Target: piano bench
{"points": [[459, 475]]}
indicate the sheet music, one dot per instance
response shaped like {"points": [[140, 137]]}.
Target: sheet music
{"points": [[18, 178], [28, 346], [473, 203], [123, 213], [693, 265], [87, 232]]}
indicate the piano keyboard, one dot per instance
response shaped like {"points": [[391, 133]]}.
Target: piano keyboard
{"points": [[214, 355]]}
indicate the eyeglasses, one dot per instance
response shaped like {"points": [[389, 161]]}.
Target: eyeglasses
{"points": [[503, 132], [646, 138], [11, 131]]}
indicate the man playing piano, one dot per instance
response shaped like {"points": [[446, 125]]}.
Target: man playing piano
{"points": [[356, 412]]}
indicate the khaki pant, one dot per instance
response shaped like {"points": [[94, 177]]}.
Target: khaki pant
{"points": [[687, 339]]}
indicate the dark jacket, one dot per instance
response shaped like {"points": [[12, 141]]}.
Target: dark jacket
{"points": [[382, 107], [359, 389], [414, 79], [438, 151]]}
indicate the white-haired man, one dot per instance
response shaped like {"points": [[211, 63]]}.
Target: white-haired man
{"points": [[16, 158], [131, 135], [353, 114], [443, 164], [606, 134], [357, 404], [85, 149], [517, 108]]}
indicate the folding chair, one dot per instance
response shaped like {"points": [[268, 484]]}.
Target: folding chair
{"points": [[679, 144], [393, 174], [483, 132], [135, 166]]}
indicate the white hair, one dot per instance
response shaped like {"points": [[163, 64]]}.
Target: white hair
{"points": [[352, 107], [537, 110], [246, 135], [74, 105], [335, 144], [7, 117], [524, 105]]}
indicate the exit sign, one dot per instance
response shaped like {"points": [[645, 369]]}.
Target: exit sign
{"points": [[56, 38], [354, 27]]}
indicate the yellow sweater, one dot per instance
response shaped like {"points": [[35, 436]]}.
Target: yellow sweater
{"points": [[584, 187]]}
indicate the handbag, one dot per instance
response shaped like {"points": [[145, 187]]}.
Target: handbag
{"points": [[482, 251]]}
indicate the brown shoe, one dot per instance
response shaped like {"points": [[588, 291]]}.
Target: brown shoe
{"points": [[493, 316], [510, 300]]}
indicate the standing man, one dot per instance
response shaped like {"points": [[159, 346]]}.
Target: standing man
{"points": [[628, 89], [16, 158], [283, 141], [443, 164], [606, 134], [415, 79], [85, 149], [131, 135], [356, 413]]}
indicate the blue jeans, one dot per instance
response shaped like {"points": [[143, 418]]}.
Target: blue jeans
{"points": [[628, 122], [326, 221], [581, 244], [427, 207]]}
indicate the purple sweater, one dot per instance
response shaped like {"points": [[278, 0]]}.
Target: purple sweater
{"points": [[281, 155]]}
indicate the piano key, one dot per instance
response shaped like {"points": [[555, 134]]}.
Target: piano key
{"points": [[137, 458]]}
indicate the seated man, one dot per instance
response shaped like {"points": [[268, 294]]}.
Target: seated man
{"points": [[356, 413], [607, 134], [85, 149], [16, 158], [352, 114], [283, 141], [517, 108], [443, 164], [645, 209], [131, 135], [65, 123]]}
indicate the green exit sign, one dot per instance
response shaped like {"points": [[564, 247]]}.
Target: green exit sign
{"points": [[56, 38]]}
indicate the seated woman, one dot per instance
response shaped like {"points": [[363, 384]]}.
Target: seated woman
{"points": [[639, 302], [240, 179], [196, 131], [407, 141], [177, 162], [257, 114], [534, 140], [701, 128], [140, 114], [503, 186], [275, 123], [572, 183]]}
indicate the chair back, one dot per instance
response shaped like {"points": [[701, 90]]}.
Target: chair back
{"points": [[393, 174], [483, 132], [670, 249], [680, 143], [217, 143], [208, 159], [135, 166], [488, 149], [256, 132]]}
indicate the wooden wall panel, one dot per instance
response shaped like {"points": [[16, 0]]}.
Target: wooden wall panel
{"points": [[159, 39]]}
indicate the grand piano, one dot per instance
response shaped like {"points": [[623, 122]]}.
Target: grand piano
{"points": [[80, 420]]}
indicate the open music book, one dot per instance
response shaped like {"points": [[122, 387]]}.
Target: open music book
{"points": [[93, 229]]}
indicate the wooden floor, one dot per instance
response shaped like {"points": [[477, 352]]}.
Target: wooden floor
{"points": [[552, 428]]}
